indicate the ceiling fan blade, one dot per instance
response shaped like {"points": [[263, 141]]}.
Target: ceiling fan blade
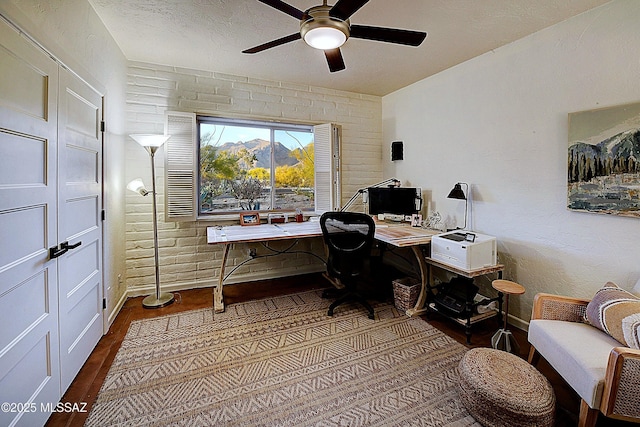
{"points": [[273, 43], [334, 59], [389, 35], [284, 7], [345, 8]]}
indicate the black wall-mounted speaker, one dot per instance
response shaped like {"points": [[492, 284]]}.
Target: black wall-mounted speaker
{"points": [[397, 151]]}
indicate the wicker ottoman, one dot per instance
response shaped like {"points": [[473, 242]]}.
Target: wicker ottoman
{"points": [[500, 389]]}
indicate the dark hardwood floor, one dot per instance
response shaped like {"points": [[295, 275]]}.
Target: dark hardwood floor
{"points": [[86, 385]]}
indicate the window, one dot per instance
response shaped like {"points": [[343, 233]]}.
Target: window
{"points": [[216, 168], [251, 165]]}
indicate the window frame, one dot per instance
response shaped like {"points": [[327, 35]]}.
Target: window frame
{"points": [[181, 169], [273, 127]]}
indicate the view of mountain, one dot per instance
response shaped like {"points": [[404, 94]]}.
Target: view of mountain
{"points": [[618, 154], [261, 150]]}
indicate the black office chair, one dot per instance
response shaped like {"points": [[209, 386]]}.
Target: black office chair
{"points": [[349, 237]]}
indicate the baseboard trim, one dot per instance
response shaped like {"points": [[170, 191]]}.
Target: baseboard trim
{"points": [[519, 323], [116, 310]]}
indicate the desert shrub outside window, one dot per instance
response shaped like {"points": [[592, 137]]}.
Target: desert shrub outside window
{"points": [[253, 165]]}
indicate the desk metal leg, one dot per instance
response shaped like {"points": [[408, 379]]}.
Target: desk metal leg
{"points": [[422, 298], [218, 298]]}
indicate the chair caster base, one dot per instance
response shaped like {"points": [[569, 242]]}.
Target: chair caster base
{"points": [[366, 305]]}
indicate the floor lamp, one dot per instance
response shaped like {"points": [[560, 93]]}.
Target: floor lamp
{"points": [[151, 143], [457, 193]]}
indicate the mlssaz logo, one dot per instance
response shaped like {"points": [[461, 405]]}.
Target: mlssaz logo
{"points": [[64, 407]]}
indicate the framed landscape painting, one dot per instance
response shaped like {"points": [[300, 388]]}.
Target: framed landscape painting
{"points": [[604, 161], [250, 218]]}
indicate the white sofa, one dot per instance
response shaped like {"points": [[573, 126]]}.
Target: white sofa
{"points": [[604, 373]]}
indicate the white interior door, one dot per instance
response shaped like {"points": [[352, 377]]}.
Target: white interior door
{"points": [[79, 222], [29, 357]]}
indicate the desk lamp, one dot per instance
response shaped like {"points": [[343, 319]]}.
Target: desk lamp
{"points": [[457, 193], [152, 143]]}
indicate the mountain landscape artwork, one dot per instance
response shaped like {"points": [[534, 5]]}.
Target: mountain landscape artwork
{"points": [[604, 161]]}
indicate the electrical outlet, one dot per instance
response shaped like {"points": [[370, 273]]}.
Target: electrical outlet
{"points": [[253, 253]]}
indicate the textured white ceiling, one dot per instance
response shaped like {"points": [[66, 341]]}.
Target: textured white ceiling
{"points": [[210, 35]]}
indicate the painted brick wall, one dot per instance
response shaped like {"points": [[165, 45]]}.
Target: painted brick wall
{"points": [[186, 261]]}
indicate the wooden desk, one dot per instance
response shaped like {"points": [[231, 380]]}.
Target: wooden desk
{"points": [[396, 235]]}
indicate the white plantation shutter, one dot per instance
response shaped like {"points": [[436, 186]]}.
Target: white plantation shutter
{"points": [[181, 167], [326, 144]]}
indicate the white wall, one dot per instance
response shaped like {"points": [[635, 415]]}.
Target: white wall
{"points": [[73, 33], [186, 261], [499, 122]]}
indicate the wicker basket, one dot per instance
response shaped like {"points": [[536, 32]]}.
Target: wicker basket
{"points": [[405, 293]]}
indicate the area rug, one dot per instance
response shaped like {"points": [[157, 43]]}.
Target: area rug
{"points": [[283, 362]]}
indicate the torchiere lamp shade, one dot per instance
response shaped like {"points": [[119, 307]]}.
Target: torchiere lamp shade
{"points": [[150, 140]]}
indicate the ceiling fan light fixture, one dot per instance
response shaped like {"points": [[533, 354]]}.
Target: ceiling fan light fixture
{"points": [[325, 38], [322, 31]]}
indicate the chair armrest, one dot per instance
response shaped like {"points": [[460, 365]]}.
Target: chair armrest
{"points": [[621, 394], [557, 307]]}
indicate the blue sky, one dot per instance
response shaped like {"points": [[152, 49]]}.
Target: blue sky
{"points": [[239, 133]]}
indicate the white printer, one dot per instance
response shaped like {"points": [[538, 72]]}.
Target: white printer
{"points": [[464, 249]]}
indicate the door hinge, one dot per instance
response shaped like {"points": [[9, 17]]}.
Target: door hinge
{"points": [[102, 126], [103, 215], [104, 303]]}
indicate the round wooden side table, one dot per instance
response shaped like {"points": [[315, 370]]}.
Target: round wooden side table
{"points": [[503, 339]]}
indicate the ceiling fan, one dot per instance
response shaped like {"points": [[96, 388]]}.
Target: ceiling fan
{"points": [[327, 28]]}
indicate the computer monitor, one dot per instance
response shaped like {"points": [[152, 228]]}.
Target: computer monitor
{"points": [[394, 200]]}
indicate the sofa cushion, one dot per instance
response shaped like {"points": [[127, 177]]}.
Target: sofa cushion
{"points": [[577, 351], [616, 312]]}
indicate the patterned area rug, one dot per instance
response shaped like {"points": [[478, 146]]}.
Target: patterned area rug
{"points": [[283, 362]]}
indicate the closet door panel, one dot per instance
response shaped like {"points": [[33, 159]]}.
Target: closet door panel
{"points": [[79, 205], [29, 352]]}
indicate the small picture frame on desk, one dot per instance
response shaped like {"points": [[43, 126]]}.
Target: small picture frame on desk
{"points": [[249, 218]]}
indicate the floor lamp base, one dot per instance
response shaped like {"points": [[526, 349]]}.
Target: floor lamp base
{"points": [[152, 302]]}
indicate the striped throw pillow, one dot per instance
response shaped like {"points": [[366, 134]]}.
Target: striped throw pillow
{"points": [[616, 312]]}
